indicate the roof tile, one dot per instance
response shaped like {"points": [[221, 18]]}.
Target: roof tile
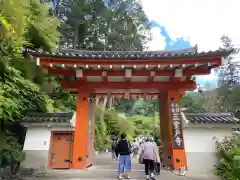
{"points": [[63, 117], [133, 55], [211, 118]]}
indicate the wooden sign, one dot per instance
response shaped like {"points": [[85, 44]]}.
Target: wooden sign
{"points": [[176, 127]]}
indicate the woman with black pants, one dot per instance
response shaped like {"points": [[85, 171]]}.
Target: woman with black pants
{"points": [[149, 154], [149, 168]]}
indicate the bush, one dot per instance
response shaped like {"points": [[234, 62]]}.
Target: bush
{"points": [[229, 166], [10, 152], [108, 124]]}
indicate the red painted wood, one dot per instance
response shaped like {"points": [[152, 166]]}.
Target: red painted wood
{"points": [[61, 150], [72, 72], [167, 61], [189, 84]]}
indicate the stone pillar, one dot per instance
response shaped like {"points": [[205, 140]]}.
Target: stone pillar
{"points": [[80, 144], [174, 155]]}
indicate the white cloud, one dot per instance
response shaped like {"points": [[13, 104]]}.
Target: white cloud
{"points": [[157, 42], [202, 22]]}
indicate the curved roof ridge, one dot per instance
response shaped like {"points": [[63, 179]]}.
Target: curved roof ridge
{"points": [[193, 49]]}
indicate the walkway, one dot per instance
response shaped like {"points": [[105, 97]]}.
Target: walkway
{"points": [[105, 169]]}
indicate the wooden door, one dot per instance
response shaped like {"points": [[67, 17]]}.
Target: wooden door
{"points": [[61, 150]]}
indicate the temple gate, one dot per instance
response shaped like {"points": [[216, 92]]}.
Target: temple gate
{"points": [[163, 75]]}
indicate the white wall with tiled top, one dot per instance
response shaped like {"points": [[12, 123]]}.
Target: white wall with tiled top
{"points": [[202, 139], [36, 145], [200, 147], [37, 138]]}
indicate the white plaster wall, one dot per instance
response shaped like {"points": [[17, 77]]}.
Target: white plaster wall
{"points": [[36, 148], [201, 139], [200, 147], [37, 138]]}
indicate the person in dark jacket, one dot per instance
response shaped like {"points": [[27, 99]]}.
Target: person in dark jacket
{"points": [[124, 151]]}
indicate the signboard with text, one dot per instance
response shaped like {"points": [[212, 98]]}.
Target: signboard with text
{"points": [[176, 127]]}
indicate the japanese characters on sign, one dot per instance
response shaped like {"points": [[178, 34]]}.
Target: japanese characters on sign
{"points": [[176, 127]]}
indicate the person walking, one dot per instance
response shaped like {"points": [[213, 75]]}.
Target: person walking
{"points": [[114, 145], [135, 148], [116, 151], [149, 154], [157, 162], [124, 164]]}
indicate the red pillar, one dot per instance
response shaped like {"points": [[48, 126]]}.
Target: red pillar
{"points": [[174, 155], [79, 158]]}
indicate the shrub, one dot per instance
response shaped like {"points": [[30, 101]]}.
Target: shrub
{"points": [[10, 152], [229, 166]]}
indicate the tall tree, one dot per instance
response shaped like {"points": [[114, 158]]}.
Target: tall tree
{"points": [[103, 25], [23, 21], [193, 101], [21, 26], [229, 72], [229, 76]]}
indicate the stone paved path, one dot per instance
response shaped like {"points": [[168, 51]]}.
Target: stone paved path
{"points": [[106, 169]]}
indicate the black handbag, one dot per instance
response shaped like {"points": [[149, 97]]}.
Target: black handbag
{"points": [[140, 160]]}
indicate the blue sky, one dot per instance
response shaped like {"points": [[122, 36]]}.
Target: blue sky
{"points": [[182, 43], [181, 24], [178, 43]]}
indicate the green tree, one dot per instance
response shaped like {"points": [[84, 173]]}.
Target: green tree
{"points": [[194, 102], [109, 124], [97, 25], [228, 75], [18, 94]]}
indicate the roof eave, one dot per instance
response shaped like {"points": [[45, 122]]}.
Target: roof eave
{"points": [[47, 124], [217, 125]]}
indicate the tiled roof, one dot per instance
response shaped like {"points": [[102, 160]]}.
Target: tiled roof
{"points": [[62, 117], [133, 55], [211, 118]]}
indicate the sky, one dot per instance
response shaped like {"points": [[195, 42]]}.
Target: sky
{"points": [[179, 24]]}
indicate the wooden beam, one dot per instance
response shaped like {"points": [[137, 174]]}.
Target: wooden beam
{"points": [[104, 76], [167, 61], [132, 93], [151, 76], [178, 74], [190, 85], [79, 74], [128, 75], [159, 72]]}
